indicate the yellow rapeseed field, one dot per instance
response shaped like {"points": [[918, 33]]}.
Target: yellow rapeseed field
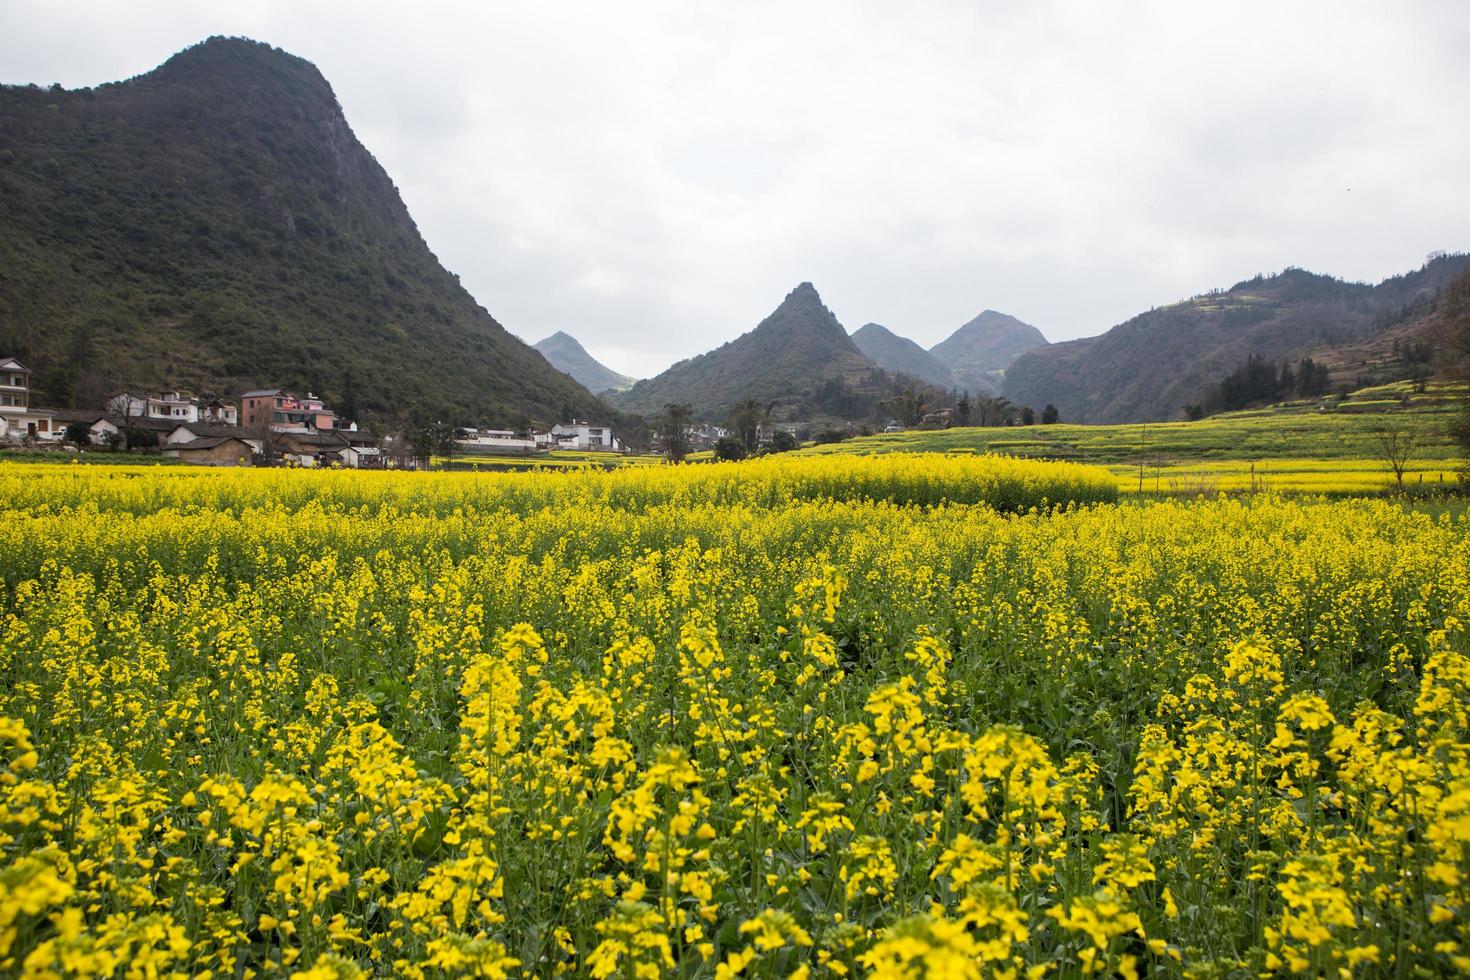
{"points": [[908, 716]]}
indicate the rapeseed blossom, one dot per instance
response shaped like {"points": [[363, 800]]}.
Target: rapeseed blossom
{"points": [[824, 718]]}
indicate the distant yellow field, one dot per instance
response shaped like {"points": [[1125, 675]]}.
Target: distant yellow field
{"points": [[1326, 476]]}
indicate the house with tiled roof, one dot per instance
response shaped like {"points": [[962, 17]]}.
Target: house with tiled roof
{"points": [[212, 451], [19, 419]]}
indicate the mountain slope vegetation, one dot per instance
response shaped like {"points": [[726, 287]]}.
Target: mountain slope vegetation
{"points": [[214, 224], [1149, 367], [900, 355]]}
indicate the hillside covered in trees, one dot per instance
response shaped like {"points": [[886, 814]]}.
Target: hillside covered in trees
{"points": [[799, 360], [1152, 366], [214, 224]]}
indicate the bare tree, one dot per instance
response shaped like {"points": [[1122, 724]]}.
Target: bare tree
{"points": [[130, 434], [269, 439], [1395, 446]]}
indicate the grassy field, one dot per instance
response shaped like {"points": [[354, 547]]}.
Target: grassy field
{"points": [[891, 716], [88, 457], [1319, 447], [1331, 430]]}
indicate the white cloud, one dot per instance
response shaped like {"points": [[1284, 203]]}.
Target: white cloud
{"points": [[654, 177]]}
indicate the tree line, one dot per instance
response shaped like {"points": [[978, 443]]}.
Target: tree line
{"points": [[1257, 381]]}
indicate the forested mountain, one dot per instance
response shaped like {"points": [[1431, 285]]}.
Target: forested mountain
{"points": [[978, 353], [1151, 366], [568, 356], [214, 224], [799, 360]]}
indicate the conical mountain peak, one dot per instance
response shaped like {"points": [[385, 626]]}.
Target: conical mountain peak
{"points": [[978, 353], [900, 355], [568, 356], [804, 296], [796, 348]]}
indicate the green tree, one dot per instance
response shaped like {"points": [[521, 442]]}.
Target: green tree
{"points": [[729, 448], [141, 439], [429, 436], [909, 407], [347, 406], [78, 434], [747, 418], [996, 410], [1050, 415], [673, 430]]}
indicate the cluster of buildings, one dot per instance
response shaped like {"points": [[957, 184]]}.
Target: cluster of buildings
{"points": [[275, 426], [574, 435], [269, 426]]}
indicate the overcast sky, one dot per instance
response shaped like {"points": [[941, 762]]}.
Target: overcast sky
{"points": [[654, 177]]}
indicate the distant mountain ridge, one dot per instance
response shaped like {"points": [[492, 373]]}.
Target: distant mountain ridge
{"points": [[978, 353], [568, 356], [899, 354], [1147, 368], [214, 224]]}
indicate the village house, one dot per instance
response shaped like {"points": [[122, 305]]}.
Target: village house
{"points": [[19, 419], [218, 412], [285, 412], [174, 406], [350, 449], [360, 451], [496, 441], [188, 432], [216, 451], [937, 420], [583, 436]]}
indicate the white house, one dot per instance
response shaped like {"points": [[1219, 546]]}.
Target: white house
{"points": [[174, 406], [584, 437], [99, 426], [361, 457], [496, 440], [15, 384], [21, 419]]}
